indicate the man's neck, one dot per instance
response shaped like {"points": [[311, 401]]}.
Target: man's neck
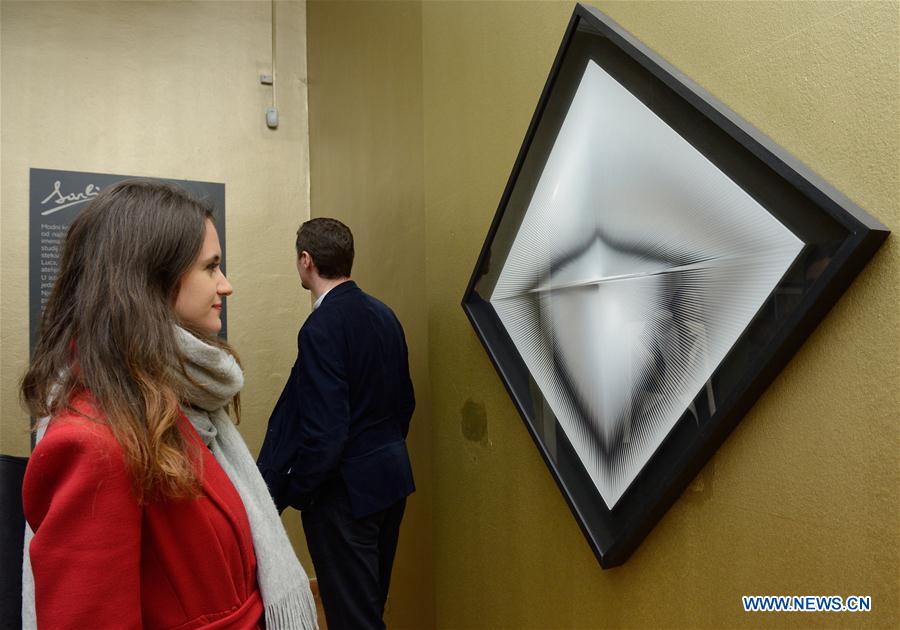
{"points": [[324, 285]]}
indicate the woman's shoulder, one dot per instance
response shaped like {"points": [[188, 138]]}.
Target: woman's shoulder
{"points": [[76, 461], [80, 420], [76, 435]]}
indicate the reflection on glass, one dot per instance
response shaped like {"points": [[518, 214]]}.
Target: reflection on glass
{"points": [[636, 267]]}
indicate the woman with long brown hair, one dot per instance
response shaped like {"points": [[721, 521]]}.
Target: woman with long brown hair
{"points": [[146, 506]]}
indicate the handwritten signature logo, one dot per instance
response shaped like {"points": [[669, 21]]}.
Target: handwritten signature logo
{"points": [[64, 201]]}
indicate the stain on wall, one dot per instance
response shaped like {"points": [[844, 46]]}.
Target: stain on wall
{"points": [[474, 421]]}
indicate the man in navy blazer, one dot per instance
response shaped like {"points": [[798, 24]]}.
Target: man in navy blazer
{"points": [[335, 447]]}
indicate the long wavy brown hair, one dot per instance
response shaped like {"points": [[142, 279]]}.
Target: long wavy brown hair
{"points": [[108, 328]]}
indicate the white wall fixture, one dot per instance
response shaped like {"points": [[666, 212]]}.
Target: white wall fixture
{"points": [[269, 79]]}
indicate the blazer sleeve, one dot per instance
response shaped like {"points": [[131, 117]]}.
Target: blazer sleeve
{"points": [[86, 549], [323, 414], [407, 402], [280, 444]]}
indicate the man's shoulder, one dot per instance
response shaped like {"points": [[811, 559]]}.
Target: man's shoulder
{"points": [[347, 304], [373, 302], [346, 298], [372, 309]]}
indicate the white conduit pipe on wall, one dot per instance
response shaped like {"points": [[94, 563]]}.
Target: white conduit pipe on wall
{"points": [[272, 112]]}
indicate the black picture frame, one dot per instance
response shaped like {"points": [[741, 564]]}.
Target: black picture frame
{"points": [[838, 240]]}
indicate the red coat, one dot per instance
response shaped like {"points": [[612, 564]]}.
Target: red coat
{"points": [[100, 560]]}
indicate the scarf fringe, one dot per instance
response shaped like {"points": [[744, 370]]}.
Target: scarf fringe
{"points": [[296, 611]]}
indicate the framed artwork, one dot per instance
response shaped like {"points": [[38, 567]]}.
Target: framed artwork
{"points": [[654, 262]]}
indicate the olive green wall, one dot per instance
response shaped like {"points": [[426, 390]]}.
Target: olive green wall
{"points": [[162, 89], [804, 497], [366, 169]]}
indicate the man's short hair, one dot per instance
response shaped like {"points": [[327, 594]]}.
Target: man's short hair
{"points": [[330, 243]]}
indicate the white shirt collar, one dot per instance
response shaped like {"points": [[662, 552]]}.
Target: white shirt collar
{"points": [[318, 302]]}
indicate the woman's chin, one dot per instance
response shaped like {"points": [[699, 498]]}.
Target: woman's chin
{"points": [[211, 327]]}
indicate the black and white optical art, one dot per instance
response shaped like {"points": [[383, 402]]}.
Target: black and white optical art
{"points": [[653, 263]]}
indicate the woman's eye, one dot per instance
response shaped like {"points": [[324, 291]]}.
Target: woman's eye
{"points": [[212, 266]]}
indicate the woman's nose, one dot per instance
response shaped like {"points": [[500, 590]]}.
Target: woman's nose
{"points": [[224, 287]]}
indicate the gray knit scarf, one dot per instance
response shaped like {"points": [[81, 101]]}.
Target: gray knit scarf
{"points": [[214, 378], [217, 378]]}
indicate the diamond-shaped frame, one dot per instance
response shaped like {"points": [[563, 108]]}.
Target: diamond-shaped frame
{"points": [[654, 262]]}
